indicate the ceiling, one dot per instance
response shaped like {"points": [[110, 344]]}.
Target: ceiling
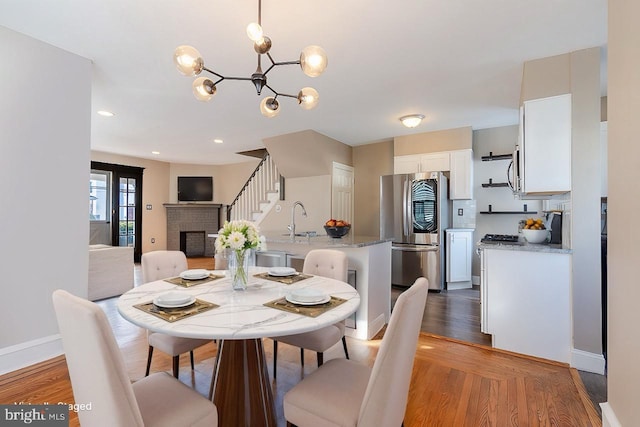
{"points": [[457, 62]]}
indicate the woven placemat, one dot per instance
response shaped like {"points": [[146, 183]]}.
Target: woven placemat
{"points": [[189, 283], [305, 310], [175, 314], [287, 280]]}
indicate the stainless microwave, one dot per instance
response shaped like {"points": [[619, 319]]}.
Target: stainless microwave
{"points": [[513, 172]]}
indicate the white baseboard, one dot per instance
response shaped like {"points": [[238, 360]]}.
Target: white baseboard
{"points": [[609, 418], [458, 285], [589, 362], [376, 326], [475, 280], [28, 353]]}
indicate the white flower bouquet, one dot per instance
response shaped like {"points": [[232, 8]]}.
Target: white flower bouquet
{"points": [[239, 237]]}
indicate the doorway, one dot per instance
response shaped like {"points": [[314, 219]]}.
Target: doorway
{"points": [[115, 199]]}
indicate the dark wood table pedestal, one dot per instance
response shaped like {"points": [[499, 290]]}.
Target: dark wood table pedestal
{"points": [[241, 388]]}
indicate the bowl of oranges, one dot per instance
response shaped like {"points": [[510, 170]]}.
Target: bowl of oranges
{"points": [[337, 228], [534, 230]]}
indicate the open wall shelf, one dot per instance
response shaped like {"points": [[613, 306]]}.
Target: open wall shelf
{"points": [[494, 184], [524, 211], [492, 157]]}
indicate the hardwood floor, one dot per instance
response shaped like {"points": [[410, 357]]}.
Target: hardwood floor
{"points": [[453, 383]]}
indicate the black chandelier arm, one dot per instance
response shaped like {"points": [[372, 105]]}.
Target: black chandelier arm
{"points": [[280, 94], [274, 63]]}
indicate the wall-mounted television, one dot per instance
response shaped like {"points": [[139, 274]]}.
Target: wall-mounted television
{"points": [[195, 189]]}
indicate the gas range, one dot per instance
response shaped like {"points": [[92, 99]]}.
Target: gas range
{"points": [[505, 239]]}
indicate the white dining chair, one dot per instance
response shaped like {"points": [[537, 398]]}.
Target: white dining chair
{"points": [[327, 263], [99, 376], [345, 393], [159, 265]]}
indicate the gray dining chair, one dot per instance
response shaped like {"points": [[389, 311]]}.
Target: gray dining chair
{"points": [[345, 393], [327, 263], [98, 375], [159, 265]]}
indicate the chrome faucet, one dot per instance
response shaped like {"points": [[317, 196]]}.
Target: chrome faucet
{"points": [[292, 226]]}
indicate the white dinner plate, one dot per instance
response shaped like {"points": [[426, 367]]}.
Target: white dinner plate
{"points": [[294, 301], [164, 304], [307, 295], [194, 274], [282, 271]]}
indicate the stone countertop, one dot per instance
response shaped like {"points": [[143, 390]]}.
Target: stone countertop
{"points": [[526, 247], [324, 241]]}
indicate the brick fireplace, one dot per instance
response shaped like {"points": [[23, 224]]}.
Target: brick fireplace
{"points": [[188, 223]]}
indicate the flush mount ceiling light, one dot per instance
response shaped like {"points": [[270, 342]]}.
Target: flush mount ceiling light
{"points": [[105, 113], [313, 61], [412, 120]]}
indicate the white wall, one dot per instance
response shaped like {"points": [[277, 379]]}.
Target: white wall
{"points": [[44, 172], [315, 194]]}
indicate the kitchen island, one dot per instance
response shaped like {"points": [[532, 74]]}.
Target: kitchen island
{"points": [[525, 293], [370, 259]]}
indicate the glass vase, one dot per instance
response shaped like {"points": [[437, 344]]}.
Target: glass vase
{"points": [[239, 268]]}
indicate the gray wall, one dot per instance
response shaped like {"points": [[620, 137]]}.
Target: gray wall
{"points": [[624, 174], [500, 140], [578, 73], [44, 173]]}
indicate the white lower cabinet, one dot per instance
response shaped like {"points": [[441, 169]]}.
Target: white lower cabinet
{"points": [[459, 247], [526, 302]]}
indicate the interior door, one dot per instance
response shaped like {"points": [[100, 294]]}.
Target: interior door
{"points": [[342, 192]]}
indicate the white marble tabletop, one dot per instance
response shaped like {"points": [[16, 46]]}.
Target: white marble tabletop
{"points": [[241, 314]]}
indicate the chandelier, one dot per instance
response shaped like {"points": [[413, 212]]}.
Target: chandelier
{"points": [[313, 61]]}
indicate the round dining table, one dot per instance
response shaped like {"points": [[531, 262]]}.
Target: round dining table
{"points": [[239, 319]]}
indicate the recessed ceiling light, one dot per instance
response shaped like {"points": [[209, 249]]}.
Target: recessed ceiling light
{"points": [[105, 113], [411, 120], [155, 152], [218, 141]]}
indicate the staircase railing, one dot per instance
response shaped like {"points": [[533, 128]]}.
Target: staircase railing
{"points": [[254, 192]]}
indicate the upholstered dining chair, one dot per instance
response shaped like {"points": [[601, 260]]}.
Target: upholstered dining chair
{"points": [[345, 393], [98, 375], [158, 265], [327, 263]]}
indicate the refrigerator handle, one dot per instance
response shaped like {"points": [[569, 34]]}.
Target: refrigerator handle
{"points": [[405, 209]]}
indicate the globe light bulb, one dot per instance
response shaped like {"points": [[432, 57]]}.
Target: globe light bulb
{"points": [[188, 60], [254, 31], [262, 45], [308, 98], [313, 60], [203, 89], [270, 107]]}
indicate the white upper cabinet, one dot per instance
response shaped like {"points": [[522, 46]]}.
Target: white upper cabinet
{"points": [[431, 162], [435, 162], [461, 185], [406, 164], [459, 163], [545, 146]]}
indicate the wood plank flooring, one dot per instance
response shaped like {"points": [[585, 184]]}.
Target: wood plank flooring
{"points": [[454, 383]]}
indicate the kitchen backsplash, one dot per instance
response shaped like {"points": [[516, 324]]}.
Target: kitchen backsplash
{"points": [[468, 217]]}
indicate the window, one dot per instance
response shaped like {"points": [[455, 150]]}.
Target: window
{"points": [[99, 195]]}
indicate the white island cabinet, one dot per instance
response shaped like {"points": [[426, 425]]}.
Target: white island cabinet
{"points": [[370, 259], [526, 300]]}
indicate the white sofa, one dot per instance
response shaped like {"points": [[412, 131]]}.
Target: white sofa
{"points": [[110, 271]]}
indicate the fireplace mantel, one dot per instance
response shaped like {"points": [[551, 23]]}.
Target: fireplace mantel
{"points": [[193, 217], [192, 205]]}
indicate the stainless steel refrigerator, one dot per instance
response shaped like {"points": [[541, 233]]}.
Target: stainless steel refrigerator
{"points": [[414, 212]]}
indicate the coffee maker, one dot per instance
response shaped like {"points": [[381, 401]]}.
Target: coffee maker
{"points": [[554, 221]]}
